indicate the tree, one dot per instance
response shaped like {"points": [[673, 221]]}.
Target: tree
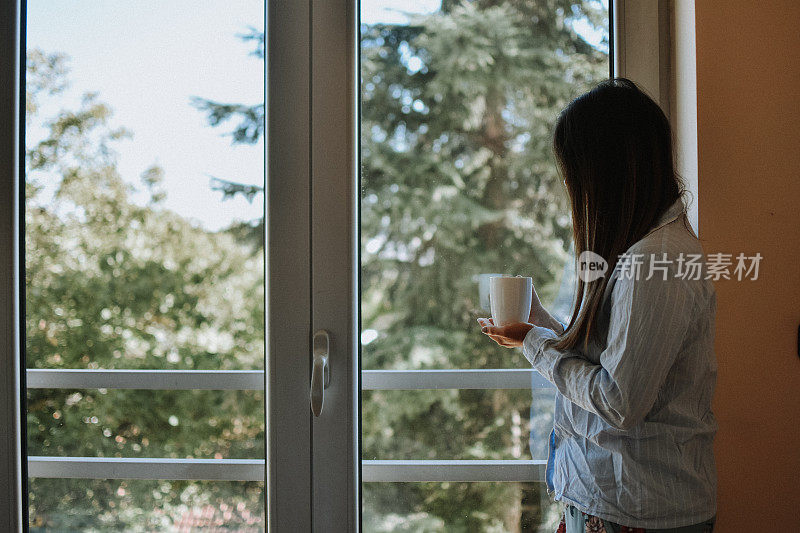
{"points": [[248, 130], [457, 180], [114, 284]]}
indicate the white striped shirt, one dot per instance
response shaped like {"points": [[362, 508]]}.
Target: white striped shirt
{"points": [[633, 427]]}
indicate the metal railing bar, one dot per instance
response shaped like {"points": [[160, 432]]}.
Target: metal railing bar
{"points": [[254, 379], [146, 379], [146, 468], [253, 469], [467, 470], [452, 379]]}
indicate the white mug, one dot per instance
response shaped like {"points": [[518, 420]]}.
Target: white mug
{"points": [[483, 289], [510, 299]]}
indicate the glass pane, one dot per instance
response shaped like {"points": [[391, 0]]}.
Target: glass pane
{"points": [[479, 424], [199, 424], [144, 243], [138, 254], [458, 507], [458, 101], [142, 506]]}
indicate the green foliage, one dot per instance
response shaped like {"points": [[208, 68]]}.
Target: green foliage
{"points": [[140, 506], [114, 284], [251, 117], [251, 124], [249, 130], [457, 179], [44, 74]]}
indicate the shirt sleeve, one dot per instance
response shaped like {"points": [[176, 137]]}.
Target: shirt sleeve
{"points": [[648, 324]]}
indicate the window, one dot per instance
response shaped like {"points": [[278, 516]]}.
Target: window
{"points": [[451, 426], [457, 181], [144, 265]]}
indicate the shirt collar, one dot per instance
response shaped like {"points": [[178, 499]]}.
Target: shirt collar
{"points": [[674, 211]]}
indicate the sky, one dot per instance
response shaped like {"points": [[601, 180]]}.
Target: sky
{"points": [[147, 58]]}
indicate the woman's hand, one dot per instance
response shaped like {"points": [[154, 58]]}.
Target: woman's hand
{"points": [[510, 336]]}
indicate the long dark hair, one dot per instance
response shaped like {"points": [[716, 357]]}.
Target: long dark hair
{"points": [[613, 145]]}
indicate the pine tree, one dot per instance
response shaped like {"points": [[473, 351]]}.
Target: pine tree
{"points": [[457, 179]]}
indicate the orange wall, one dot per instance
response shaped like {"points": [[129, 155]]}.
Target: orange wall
{"points": [[748, 121]]}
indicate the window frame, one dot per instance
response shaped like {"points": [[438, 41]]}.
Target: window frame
{"points": [[641, 45], [12, 468]]}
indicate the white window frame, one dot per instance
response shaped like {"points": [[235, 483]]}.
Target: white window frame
{"points": [[654, 45], [641, 46], [12, 470]]}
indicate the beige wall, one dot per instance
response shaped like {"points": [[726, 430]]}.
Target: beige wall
{"points": [[748, 86]]}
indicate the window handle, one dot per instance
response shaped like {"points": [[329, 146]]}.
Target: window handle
{"points": [[320, 370]]}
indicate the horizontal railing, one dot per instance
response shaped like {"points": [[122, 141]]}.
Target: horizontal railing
{"points": [[146, 468], [458, 470], [254, 379], [452, 379], [253, 469], [146, 379]]}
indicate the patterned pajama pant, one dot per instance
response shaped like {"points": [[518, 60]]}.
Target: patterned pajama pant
{"points": [[575, 521]]}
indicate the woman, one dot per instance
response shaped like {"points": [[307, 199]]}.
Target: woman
{"points": [[631, 447]]}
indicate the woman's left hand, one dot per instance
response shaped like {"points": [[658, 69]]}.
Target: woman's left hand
{"points": [[510, 336]]}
